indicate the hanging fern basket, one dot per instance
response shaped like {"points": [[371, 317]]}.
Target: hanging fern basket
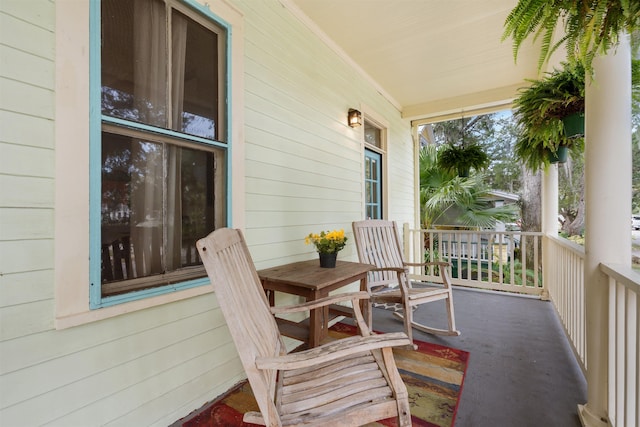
{"points": [[574, 125]]}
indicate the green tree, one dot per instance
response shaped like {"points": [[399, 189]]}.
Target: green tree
{"points": [[571, 196], [465, 131], [504, 172]]}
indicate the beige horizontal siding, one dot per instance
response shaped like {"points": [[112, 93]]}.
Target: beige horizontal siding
{"points": [[26, 161], [96, 365], [25, 255], [37, 349], [21, 34], [26, 192], [36, 13], [25, 319], [26, 67], [26, 224], [91, 363], [26, 130], [21, 288], [27, 99]]}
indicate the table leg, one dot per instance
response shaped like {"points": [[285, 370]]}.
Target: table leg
{"points": [[272, 297], [315, 327]]}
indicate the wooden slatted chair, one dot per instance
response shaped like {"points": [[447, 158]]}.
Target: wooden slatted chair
{"points": [[378, 243], [116, 260], [347, 382]]}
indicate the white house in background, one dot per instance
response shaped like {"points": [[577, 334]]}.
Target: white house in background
{"points": [[501, 198], [196, 114]]}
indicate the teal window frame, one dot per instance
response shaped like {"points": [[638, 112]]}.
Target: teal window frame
{"points": [[96, 120]]}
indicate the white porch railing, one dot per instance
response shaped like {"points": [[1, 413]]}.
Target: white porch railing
{"points": [[565, 284], [623, 406], [501, 260]]}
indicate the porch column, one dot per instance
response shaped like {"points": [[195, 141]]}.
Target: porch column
{"points": [[549, 222], [608, 209]]}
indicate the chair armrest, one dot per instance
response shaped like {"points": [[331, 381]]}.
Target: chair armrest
{"points": [[422, 264], [333, 299], [396, 269], [335, 350]]}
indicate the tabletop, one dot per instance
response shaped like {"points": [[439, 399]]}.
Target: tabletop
{"points": [[309, 274]]}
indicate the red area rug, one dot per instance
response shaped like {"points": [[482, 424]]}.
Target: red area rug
{"points": [[433, 374]]}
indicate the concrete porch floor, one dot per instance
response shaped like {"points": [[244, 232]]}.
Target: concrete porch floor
{"points": [[522, 371]]}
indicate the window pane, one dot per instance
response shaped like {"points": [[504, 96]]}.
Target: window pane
{"points": [[157, 200], [374, 170], [195, 78], [198, 215], [134, 56], [370, 214], [132, 220], [372, 135]]}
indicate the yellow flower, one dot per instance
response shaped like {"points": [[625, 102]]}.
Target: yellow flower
{"points": [[327, 242]]}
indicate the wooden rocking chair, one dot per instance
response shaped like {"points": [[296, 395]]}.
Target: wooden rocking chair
{"points": [[378, 243], [347, 382]]}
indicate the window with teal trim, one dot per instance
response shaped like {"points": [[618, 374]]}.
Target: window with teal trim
{"points": [[163, 143]]}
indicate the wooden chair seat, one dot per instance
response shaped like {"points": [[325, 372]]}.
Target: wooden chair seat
{"points": [[378, 243], [395, 295], [347, 382]]}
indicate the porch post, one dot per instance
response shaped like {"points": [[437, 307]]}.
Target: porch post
{"points": [[549, 222], [608, 209]]}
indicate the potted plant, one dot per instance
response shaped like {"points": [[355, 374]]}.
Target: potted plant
{"points": [[542, 110], [462, 158], [328, 244], [590, 26]]}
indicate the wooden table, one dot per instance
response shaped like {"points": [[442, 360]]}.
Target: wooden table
{"points": [[307, 279]]}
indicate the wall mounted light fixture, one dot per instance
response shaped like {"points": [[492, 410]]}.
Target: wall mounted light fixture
{"points": [[355, 118]]}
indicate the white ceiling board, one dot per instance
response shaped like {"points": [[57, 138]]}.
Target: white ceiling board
{"points": [[424, 52]]}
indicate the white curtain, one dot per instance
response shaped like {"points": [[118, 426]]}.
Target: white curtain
{"points": [[174, 158], [149, 48]]}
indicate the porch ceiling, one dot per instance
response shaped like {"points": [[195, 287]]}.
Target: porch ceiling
{"points": [[429, 57]]}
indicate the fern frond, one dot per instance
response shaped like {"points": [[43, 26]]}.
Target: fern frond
{"points": [[590, 26]]}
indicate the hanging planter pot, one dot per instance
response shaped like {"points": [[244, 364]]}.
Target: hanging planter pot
{"points": [[574, 125], [559, 156], [463, 172]]}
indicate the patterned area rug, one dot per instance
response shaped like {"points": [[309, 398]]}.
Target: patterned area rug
{"points": [[391, 306], [433, 374]]}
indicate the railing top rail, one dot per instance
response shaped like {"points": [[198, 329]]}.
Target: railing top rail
{"points": [[522, 233], [623, 274], [567, 244]]}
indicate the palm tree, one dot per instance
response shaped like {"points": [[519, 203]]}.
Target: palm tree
{"points": [[464, 201]]}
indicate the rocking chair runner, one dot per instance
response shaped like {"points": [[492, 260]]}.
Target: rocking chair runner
{"points": [[347, 382], [378, 243]]}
